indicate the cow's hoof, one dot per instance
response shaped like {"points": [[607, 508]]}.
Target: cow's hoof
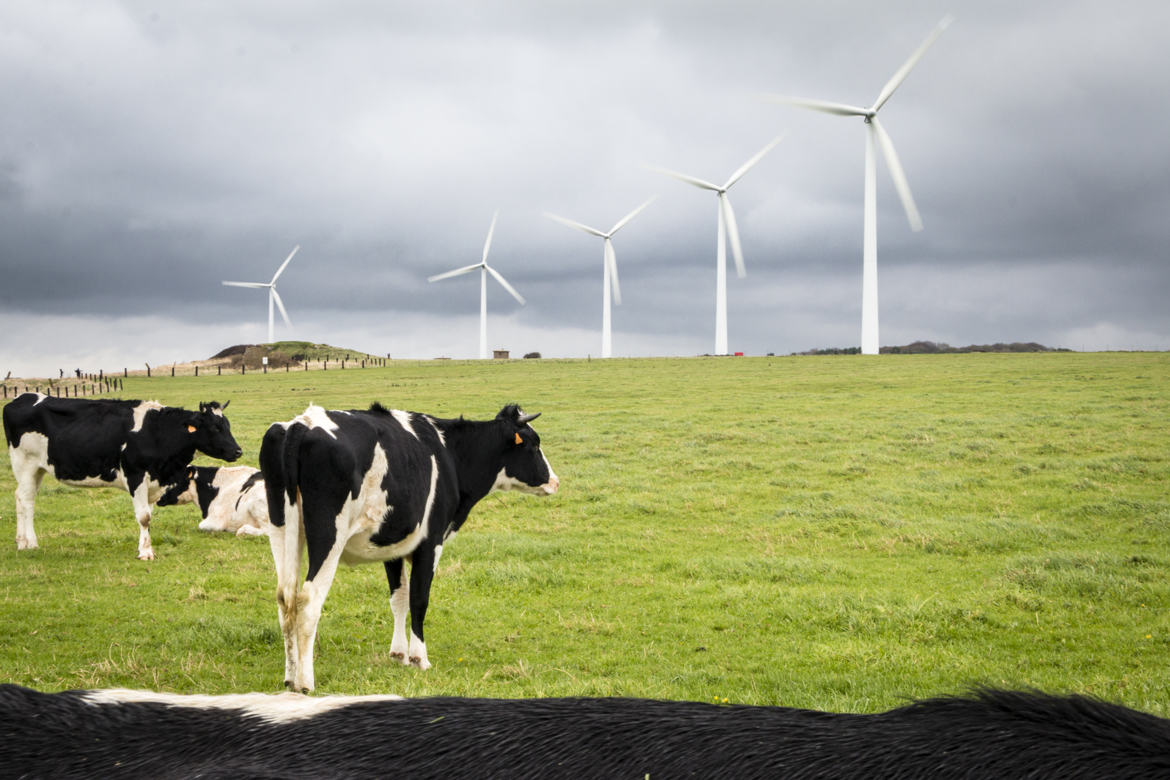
{"points": [[289, 684], [421, 663], [399, 656], [26, 544], [148, 555]]}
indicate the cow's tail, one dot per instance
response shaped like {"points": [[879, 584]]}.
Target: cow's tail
{"points": [[279, 464]]}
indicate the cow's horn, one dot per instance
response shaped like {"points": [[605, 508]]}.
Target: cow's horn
{"points": [[527, 418], [225, 404]]}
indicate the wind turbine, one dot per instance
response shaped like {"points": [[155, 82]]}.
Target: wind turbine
{"points": [[610, 276], [876, 136], [273, 295], [484, 269], [727, 230]]}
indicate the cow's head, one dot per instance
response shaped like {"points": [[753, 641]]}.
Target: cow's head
{"points": [[181, 492], [211, 433], [525, 467]]}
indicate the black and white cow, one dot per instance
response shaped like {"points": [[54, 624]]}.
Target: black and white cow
{"points": [[381, 486], [139, 446], [230, 498], [990, 734]]}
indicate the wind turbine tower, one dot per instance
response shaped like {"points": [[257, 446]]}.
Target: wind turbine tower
{"points": [[610, 275], [484, 269], [875, 137], [727, 230], [273, 295]]}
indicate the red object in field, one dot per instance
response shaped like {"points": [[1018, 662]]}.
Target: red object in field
{"points": [[739, 354]]}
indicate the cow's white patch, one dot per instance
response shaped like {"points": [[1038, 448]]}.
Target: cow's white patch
{"points": [[418, 653], [506, 482], [359, 549], [438, 555], [140, 413], [438, 431], [316, 417], [40, 397], [272, 707], [403, 419]]}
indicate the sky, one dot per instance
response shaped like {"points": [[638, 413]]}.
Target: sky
{"points": [[151, 150]]}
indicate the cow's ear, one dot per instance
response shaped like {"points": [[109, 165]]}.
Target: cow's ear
{"points": [[190, 428], [518, 439]]}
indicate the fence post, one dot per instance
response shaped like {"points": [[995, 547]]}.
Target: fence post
{"points": [[172, 369], [148, 370], [243, 368], [219, 370], [196, 370]]}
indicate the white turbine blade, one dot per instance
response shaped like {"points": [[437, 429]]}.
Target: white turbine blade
{"points": [[611, 262], [897, 174], [505, 284], [733, 235], [284, 265], [755, 159], [622, 222], [487, 244], [245, 284], [904, 71], [825, 106], [700, 183], [458, 271], [577, 225], [280, 305]]}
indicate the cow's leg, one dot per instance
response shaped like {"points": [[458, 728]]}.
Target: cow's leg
{"points": [[288, 577], [422, 571], [399, 605], [142, 513], [323, 561], [28, 473]]}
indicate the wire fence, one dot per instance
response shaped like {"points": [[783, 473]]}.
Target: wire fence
{"points": [[83, 384]]}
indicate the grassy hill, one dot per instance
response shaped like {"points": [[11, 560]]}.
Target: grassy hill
{"points": [[827, 532], [281, 352]]}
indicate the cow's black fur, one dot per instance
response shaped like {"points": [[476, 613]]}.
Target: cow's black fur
{"points": [[94, 439], [990, 734], [312, 470]]}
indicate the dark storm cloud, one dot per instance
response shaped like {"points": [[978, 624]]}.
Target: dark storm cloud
{"points": [[151, 150]]}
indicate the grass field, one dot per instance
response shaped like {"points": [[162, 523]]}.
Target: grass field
{"points": [[839, 533]]}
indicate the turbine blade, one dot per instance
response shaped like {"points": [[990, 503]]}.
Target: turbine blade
{"points": [[622, 222], [505, 284], [246, 284], [904, 71], [824, 106], [280, 305], [284, 265], [706, 185], [897, 174], [611, 261], [733, 235], [577, 225], [458, 271], [755, 159], [487, 244]]}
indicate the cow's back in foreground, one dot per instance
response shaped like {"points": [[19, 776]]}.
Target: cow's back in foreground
{"points": [[384, 486], [993, 734]]}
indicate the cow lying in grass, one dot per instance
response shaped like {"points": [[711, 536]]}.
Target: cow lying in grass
{"points": [[230, 498], [990, 734]]}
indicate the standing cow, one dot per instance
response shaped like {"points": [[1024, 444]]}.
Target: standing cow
{"points": [[139, 446], [230, 498], [379, 485]]}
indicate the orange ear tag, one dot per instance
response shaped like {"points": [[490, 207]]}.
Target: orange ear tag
{"points": [[518, 439], [190, 429]]}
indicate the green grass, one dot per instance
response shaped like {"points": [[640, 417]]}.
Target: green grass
{"points": [[831, 532]]}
